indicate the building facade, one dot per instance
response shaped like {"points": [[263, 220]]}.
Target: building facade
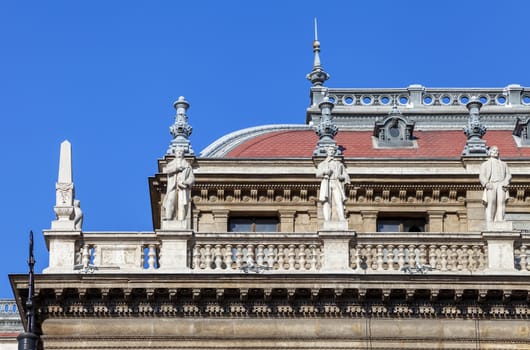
{"points": [[364, 228]]}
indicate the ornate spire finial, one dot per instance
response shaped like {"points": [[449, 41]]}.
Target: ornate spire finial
{"points": [[474, 131], [317, 76], [181, 130], [326, 130]]}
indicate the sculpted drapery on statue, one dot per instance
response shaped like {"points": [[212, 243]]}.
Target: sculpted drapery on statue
{"points": [[180, 179], [332, 193], [495, 177]]}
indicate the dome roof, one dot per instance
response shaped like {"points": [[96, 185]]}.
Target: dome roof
{"points": [[299, 141]]}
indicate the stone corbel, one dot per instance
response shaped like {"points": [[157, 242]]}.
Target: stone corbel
{"points": [[290, 294], [482, 295], [219, 294], [434, 295], [196, 294], [267, 294], [314, 294], [243, 294], [362, 294]]}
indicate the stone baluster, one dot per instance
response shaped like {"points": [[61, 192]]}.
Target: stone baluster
{"points": [[85, 256], [281, 257], [369, 257], [470, 259], [423, 254], [239, 256], [380, 256], [443, 258], [390, 257], [196, 258], [251, 254], [355, 256], [476, 258], [432, 256], [401, 256], [291, 257], [218, 257], [260, 255], [453, 258], [464, 258], [483, 261], [151, 256], [523, 258], [207, 257], [301, 257], [312, 257], [229, 262], [270, 256], [412, 255]]}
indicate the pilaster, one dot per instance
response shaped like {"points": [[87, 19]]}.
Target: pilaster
{"points": [[287, 220], [436, 220], [369, 220], [220, 217]]}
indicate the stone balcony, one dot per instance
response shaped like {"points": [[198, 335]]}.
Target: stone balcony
{"points": [[342, 252]]}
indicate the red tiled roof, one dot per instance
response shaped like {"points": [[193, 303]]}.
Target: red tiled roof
{"points": [[9, 334], [358, 144]]}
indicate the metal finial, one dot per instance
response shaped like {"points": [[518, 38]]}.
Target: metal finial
{"points": [[317, 76], [316, 30], [475, 130], [181, 129]]}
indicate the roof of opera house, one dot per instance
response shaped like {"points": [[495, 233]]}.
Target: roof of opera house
{"points": [[435, 119], [292, 142]]}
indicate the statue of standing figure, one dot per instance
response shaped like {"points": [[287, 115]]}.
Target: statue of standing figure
{"points": [[180, 179], [332, 194], [495, 177]]}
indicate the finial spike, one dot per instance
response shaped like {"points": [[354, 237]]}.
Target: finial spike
{"points": [[316, 30], [317, 76]]}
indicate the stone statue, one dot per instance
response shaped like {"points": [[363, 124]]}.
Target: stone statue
{"points": [[495, 177], [78, 215], [180, 179], [332, 194]]}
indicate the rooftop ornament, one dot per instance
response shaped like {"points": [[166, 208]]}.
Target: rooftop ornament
{"points": [[395, 130], [181, 130], [317, 76], [474, 131], [326, 130]]}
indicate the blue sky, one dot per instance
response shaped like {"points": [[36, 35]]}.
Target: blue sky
{"points": [[104, 75]]}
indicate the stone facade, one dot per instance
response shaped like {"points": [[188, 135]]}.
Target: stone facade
{"points": [[253, 263]]}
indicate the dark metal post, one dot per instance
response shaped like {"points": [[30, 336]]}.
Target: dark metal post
{"points": [[28, 340]]}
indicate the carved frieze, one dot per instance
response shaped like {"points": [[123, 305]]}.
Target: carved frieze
{"points": [[299, 303]]}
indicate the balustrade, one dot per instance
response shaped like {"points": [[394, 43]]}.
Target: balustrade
{"points": [[418, 253], [257, 253], [123, 251], [421, 96], [433, 253], [522, 254]]}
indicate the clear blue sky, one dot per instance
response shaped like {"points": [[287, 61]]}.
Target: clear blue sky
{"points": [[104, 74]]}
